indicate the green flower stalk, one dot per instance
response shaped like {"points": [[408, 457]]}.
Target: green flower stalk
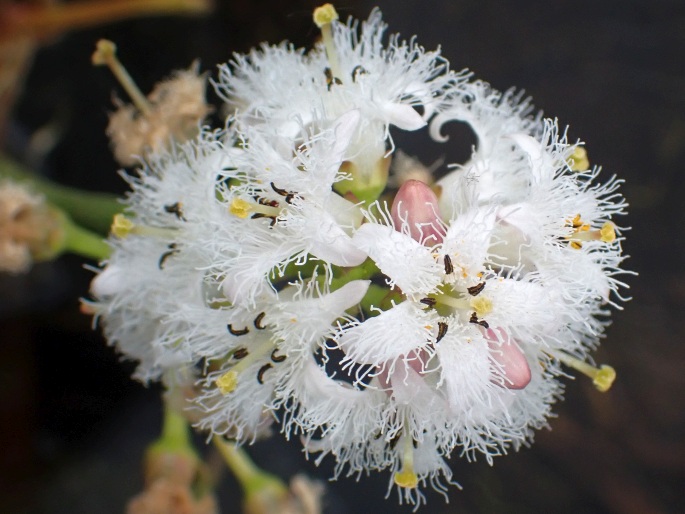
{"points": [[33, 230], [176, 481], [266, 493], [93, 211]]}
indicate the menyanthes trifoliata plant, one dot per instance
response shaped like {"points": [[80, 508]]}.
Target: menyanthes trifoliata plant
{"points": [[270, 263]]}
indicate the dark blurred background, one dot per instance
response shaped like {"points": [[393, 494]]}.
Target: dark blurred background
{"points": [[73, 425]]}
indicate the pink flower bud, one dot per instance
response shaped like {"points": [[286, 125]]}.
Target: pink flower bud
{"points": [[511, 360], [416, 207]]}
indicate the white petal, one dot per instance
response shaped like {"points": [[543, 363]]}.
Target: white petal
{"points": [[388, 336], [468, 240], [403, 116], [304, 322], [329, 242], [109, 281], [408, 263], [466, 369], [347, 214], [409, 387], [344, 128]]}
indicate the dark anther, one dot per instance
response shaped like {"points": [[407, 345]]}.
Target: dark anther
{"points": [[358, 70], [240, 353], [474, 319], [277, 358], [270, 203], [415, 443], [258, 321], [262, 370], [393, 442], [476, 290], [448, 265], [241, 332], [288, 196], [442, 331], [258, 215], [428, 301], [229, 168], [175, 208], [330, 79], [278, 190], [166, 255], [377, 435]]}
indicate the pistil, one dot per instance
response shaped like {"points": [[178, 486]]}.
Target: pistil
{"points": [[106, 54], [244, 209], [324, 16], [123, 226], [407, 477], [602, 377], [582, 232]]}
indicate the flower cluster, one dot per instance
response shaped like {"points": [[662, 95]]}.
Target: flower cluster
{"points": [[270, 261]]}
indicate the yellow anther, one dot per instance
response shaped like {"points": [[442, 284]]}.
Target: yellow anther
{"points": [[578, 160], [608, 232], [121, 226], [578, 224], [324, 15], [406, 478], [240, 208], [604, 378], [482, 305], [576, 245], [227, 382]]}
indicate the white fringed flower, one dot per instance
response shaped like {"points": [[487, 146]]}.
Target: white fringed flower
{"points": [[192, 280], [352, 69], [280, 208]]}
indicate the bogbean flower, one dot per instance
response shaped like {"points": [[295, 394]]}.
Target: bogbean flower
{"points": [[259, 260], [154, 274], [198, 274], [351, 69], [282, 207]]}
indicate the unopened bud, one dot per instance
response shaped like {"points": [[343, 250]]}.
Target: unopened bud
{"points": [[513, 364], [416, 207]]}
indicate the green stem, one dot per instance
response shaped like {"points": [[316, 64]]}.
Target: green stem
{"points": [[252, 479], [379, 297], [84, 242], [175, 437], [92, 210], [364, 271]]}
